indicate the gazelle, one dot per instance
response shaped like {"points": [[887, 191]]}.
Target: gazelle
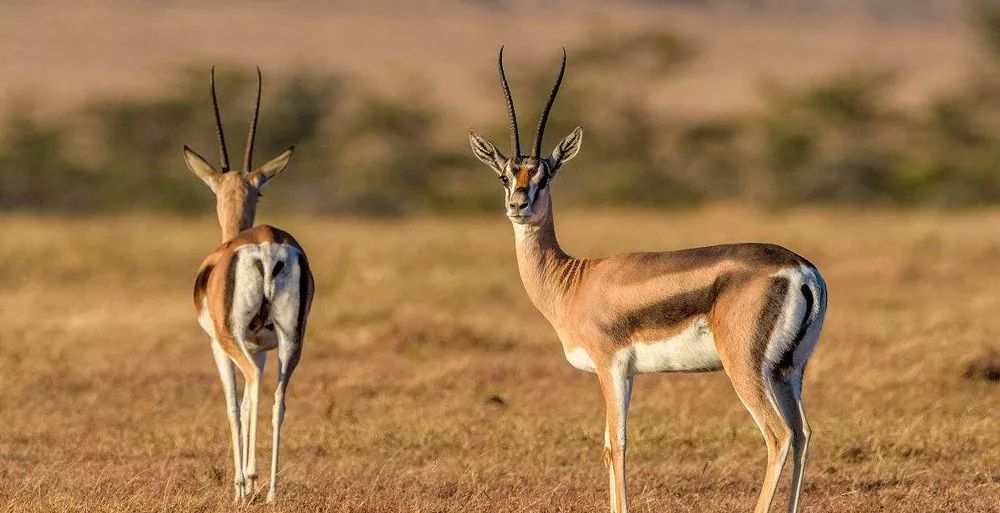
{"points": [[753, 310], [252, 294]]}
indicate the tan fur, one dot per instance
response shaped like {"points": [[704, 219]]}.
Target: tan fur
{"points": [[728, 306], [236, 203], [524, 174], [605, 304], [215, 289], [581, 297]]}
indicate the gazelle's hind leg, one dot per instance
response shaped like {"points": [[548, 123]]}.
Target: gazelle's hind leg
{"points": [[251, 398], [743, 337], [227, 373], [777, 436], [289, 349], [789, 395], [290, 309]]}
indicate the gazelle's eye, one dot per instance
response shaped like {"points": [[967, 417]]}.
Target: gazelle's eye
{"points": [[504, 180]]}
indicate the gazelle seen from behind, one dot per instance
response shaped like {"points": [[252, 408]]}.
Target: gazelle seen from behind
{"points": [[252, 295], [752, 310]]}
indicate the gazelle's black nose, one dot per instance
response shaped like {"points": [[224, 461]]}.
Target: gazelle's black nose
{"points": [[515, 205]]}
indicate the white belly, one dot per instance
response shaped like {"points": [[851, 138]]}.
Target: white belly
{"points": [[580, 358], [691, 350]]}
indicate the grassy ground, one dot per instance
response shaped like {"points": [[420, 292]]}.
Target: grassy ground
{"points": [[429, 383]]}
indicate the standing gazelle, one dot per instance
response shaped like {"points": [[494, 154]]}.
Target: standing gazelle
{"points": [[252, 294], [753, 310]]}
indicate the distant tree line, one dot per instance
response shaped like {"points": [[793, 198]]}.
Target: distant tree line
{"points": [[839, 140]]}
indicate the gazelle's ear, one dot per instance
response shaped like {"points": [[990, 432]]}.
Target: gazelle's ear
{"points": [[201, 168], [566, 150], [264, 173], [487, 153]]}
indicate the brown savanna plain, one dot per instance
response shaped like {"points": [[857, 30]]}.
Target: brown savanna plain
{"points": [[429, 383]]}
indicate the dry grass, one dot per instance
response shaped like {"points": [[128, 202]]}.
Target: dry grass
{"points": [[430, 384]]}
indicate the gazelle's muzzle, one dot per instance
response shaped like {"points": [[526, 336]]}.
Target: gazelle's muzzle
{"points": [[519, 203]]}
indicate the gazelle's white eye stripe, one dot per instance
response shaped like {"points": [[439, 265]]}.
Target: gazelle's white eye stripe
{"points": [[539, 174]]}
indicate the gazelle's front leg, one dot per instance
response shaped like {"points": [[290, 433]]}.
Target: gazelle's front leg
{"points": [[228, 375], [616, 386], [251, 398]]}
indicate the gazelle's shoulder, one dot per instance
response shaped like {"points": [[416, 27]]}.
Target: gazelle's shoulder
{"points": [[260, 234]]}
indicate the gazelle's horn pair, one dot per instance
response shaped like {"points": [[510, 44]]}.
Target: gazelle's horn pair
{"points": [[514, 138], [223, 154]]}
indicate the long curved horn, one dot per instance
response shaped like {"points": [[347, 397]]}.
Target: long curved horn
{"points": [[248, 156], [218, 127], [514, 138], [548, 107]]}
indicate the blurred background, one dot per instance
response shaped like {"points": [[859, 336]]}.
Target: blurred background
{"points": [[765, 102], [864, 135]]}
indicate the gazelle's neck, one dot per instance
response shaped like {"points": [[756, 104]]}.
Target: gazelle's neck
{"points": [[236, 214], [541, 261], [231, 229]]}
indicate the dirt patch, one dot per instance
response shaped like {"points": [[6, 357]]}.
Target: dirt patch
{"points": [[984, 367]]}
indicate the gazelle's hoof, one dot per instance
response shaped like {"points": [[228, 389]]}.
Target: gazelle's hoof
{"points": [[272, 496], [240, 492]]}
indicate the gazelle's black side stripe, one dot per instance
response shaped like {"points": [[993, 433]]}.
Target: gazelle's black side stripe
{"points": [[305, 296], [200, 284], [786, 359], [230, 289], [305, 283]]}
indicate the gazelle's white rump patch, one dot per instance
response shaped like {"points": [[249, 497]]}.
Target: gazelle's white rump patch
{"points": [[691, 350], [794, 313], [260, 279]]}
